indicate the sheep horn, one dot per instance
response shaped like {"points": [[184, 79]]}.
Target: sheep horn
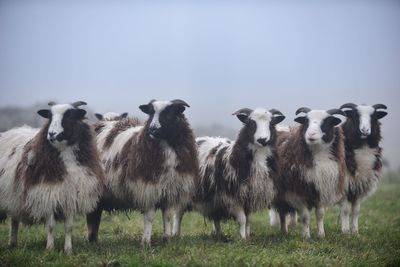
{"points": [[275, 112], [303, 109], [245, 111], [349, 105], [78, 103], [179, 102], [336, 111], [379, 106]]}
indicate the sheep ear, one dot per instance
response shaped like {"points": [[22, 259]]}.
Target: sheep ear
{"points": [[277, 119], [124, 115], [145, 108], [380, 114], [45, 113], [335, 121], [300, 120], [179, 109], [79, 114], [98, 116], [348, 112], [242, 117]]}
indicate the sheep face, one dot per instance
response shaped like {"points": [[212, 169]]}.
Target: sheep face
{"points": [[164, 118], [364, 118], [318, 127], [111, 116], [259, 124], [62, 120]]}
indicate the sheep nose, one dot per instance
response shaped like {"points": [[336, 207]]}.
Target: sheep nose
{"points": [[262, 141], [152, 130], [52, 136], [365, 131]]}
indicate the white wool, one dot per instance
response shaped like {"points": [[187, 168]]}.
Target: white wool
{"points": [[325, 176], [366, 178], [14, 138], [78, 193]]}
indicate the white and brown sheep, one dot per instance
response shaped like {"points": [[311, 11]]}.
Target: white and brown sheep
{"points": [[311, 167], [148, 167], [52, 173]]}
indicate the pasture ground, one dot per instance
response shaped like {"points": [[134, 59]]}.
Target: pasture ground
{"points": [[377, 245]]}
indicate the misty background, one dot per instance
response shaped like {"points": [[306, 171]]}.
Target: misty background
{"points": [[218, 56]]}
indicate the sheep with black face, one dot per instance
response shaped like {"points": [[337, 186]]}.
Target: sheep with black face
{"points": [[236, 176], [147, 166], [311, 167], [362, 131], [51, 173]]}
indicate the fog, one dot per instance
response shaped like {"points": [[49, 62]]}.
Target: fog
{"points": [[218, 56]]}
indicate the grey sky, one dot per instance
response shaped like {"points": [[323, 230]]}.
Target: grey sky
{"points": [[219, 56]]}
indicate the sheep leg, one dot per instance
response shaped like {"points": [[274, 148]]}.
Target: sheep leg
{"points": [[166, 215], [345, 216], [241, 219], [177, 221], [355, 212], [273, 218], [283, 222], [13, 232], [320, 213], [217, 228], [50, 225], [293, 218], [148, 225], [68, 224], [93, 223], [248, 221], [305, 219]]}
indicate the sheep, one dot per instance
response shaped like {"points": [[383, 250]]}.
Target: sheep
{"points": [[362, 131], [291, 218], [148, 167], [51, 173], [311, 167], [111, 116], [235, 176]]}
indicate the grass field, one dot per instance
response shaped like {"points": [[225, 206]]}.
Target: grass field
{"points": [[377, 245]]}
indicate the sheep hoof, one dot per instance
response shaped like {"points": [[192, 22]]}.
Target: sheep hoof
{"points": [[355, 232], [68, 251], [220, 237], [306, 236], [92, 238], [346, 231], [146, 244], [166, 238]]}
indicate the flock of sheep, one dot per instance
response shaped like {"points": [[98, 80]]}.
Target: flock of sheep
{"points": [[69, 167]]}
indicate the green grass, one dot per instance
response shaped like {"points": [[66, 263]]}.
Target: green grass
{"points": [[377, 245]]}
